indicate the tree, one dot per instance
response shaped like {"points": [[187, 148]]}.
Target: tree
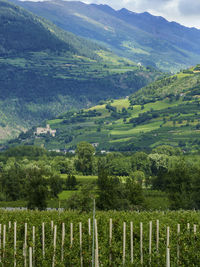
{"points": [[85, 153], [13, 180], [55, 183], [83, 200], [116, 195], [71, 182], [182, 184], [38, 192]]}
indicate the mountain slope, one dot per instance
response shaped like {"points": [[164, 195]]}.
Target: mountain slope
{"points": [[141, 37], [166, 112], [45, 71]]}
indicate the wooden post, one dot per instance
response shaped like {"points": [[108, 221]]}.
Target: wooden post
{"points": [[110, 241], [124, 243], [63, 241], [9, 225], [54, 245], [195, 229], [97, 246], [157, 236], [25, 244], [89, 227], [150, 239], [168, 258], [178, 248], [167, 236], [141, 243], [52, 224], [4, 239], [188, 226], [71, 234], [15, 242], [30, 257], [33, 249], [0, 240], [89, 234], [43, 240], [131, 237], [81, 255]]}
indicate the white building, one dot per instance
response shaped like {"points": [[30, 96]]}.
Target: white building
{"points": [[40, 130]]}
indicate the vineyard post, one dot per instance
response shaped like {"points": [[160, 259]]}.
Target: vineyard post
{"points": [[150, 240], [188, 226], [89, 227], [0, 242], [30, 257], [178, 240], [71, 234], [9, 224], [131, 236], [62, 242], [97, 246], [33, 250], [195, 229], [167, 249], [93, 236], [141, 243], [52, 224], [167, 236], [15, 242], [89, 234], [81, 255], [168, 258], [110, 240], [124, 242], [4, 240], [157, 235], [25, 244], [54, 245], [43, 240]]}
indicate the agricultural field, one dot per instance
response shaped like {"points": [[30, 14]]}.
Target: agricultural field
{"points": [[120, 126], [32, 238]]}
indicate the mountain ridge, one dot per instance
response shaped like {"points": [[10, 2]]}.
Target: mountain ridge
{"points": [[50, 71], [141, 37]]}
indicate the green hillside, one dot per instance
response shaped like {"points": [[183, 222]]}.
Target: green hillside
{"points": [[166, 112], [45, 71], [141, 37]]}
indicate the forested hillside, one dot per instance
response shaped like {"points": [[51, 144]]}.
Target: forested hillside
{"points": [[45, 71], [143, 37], [165, 112]]}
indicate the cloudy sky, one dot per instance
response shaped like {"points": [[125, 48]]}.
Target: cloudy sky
{"points": [[186, 12]]}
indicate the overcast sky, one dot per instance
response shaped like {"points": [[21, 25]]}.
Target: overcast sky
{"points": [[186, 12]]}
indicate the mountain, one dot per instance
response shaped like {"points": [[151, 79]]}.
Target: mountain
{"points": [[140, 37], [165, 112], [45, 71]]}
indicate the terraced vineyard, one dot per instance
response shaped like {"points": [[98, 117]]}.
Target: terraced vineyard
{"points": [[31, 238]]}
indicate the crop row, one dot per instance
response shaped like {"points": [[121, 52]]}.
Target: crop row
{"points": [[112, 239]]}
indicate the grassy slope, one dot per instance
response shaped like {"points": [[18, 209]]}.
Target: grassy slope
{"points": [[45, 71], [172, 117]]}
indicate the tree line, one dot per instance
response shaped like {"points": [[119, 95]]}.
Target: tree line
{"points": [[33, 174]]}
